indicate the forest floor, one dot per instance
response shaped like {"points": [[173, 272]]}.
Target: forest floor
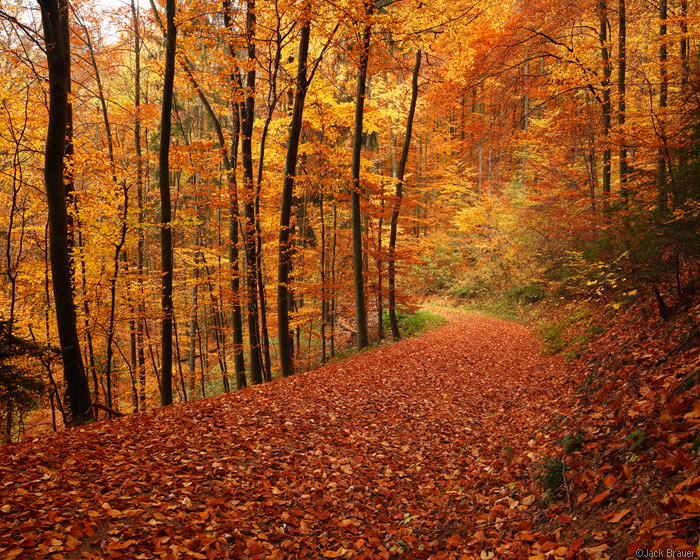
{"points": [[420, 449]]}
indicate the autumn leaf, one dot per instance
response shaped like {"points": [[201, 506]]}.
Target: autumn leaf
{"points": [[618, 516]]}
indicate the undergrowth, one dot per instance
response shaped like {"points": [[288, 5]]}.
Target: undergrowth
{"points": [[410, 324]]}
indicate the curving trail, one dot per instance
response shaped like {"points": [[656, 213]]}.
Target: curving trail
{"points": [[397, 450]]}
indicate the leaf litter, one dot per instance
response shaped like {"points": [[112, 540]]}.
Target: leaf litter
{"points": [[420, 449]]}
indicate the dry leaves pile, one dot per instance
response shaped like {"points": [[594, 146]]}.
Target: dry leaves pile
{"points": [[421, 449]]}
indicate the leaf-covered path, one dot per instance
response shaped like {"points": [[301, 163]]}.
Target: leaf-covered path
{"points": [[399, 449]]}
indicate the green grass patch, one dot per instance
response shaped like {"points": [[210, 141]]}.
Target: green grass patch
{"points": [[570, 334], [412, 324], [502, 309]]}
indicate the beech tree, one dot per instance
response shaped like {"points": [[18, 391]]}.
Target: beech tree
{"points": [[356, 188], [284, 335], [166, 237], [400, 174], [366, 194], [54, 16]]}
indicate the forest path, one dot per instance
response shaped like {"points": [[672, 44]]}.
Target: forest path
{"points": [[401, 448]]}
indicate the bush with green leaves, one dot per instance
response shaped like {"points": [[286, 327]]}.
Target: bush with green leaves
{"points": [[527, 292], [549, 475], [20, 386], [572, 442]]}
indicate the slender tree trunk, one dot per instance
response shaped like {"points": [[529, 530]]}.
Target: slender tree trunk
{"points": [[662, 179], [419, 179], [123, 229], [113, 299], [334, 240], [682, 184], [526, 120], [271, 104], [141, 306], [622, 93], [324, 287], [179, 362], [234, 224], [359, 282], [247, 118], [166, 243], [285, 245], [191, 351], [605, 86], [57, 44], [379, 258], [397, 202]]}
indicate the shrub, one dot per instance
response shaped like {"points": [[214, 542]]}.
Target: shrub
{"points": [[530, 292], [549, 475], [20, 387]]}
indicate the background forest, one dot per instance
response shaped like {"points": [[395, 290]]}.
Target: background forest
{"points": [[324, 165]]}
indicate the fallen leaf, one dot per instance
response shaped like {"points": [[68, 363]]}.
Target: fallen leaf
{"points": [[600, 497], [618, 516]]}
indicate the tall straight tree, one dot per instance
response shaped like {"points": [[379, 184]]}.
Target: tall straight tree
{"points": [[285, 249], [166, 237], [57, 43], [622, 91], [234, 216], [359, 282], [140, 245], [661, 175], [247, 118], [397, 201], [605, 86]]}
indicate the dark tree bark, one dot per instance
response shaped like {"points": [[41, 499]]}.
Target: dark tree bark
{"points": [[272, 98], [605, 86], [622, 92], [166, 239], [247, 118], [682, 183], [662, 178], [324, 288], [397, 201], [357, 260], [54, 15], [285, 247], [141, 306], [234, 224]]}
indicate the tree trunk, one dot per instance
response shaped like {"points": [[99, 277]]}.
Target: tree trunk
{"points": [[526, 120], [166, 248], [324, 288], [397, 202], [285, 246], [359, 283], [663, 98], [334, 243], [57, 45], [233, 255], [605, 86], [141, 306], [621, 93], [247, 118]]}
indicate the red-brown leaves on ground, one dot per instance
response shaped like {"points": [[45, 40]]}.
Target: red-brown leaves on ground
{"points": [[421, 449]]}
